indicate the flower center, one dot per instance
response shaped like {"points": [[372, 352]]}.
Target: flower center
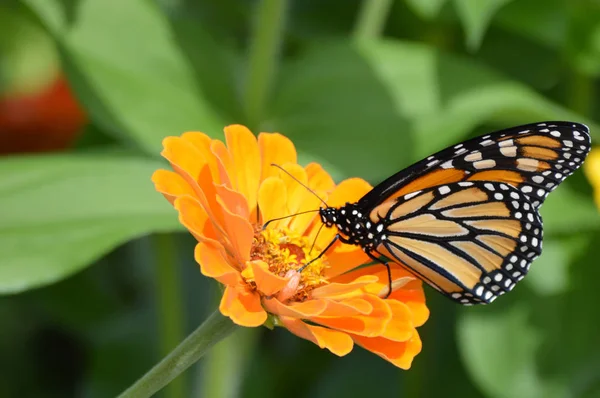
{"points": [[284, 251]]}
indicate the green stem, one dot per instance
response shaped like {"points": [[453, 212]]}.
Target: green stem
{"points": [[371, 19], [189, 351], [266, 41], [170, 306]]}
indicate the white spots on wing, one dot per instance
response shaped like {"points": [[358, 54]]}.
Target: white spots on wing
{"points": [[473, 157], [568, 143], [515, 204], [465, 184], [541, 192], [433, 163], [461, 151], [538, 179], [504, 187], [510, 151], [447, 165], [567, 155], [527, 164], [506, 143], [444, 189], [411, 195], [514, 195], [380, 228], [518, 215], [489, 186], [555, 133], [498, 196], [486, 143], [526, 188], [485, 164], [534, 242]]}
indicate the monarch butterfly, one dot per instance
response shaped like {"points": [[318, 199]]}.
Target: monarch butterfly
{"points": [[465, 220]]}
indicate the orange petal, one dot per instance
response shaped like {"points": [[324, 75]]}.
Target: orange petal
{"points": [[337, 342], [245, 156], [224, 163], [413, 296], [214, 264], [202, 143], [344, 290], [171, 185], [400, 277], [349, 307], [242, 307], [275, 148], [370, 325], [272, 198], [318, 178], [299, 199], [239, 231], [193, 216], [187, 161], [344, 258], [400, 354], [266, 282], [400, 327], [304, 309], [236, 203]]}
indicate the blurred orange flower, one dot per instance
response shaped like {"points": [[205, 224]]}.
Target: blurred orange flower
{"points": [[592, 172], [224, 194]]}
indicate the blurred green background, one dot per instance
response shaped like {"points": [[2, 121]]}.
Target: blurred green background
{"points": [[97, 278]]}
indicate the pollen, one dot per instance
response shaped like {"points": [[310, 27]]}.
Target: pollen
{"points": [[283, 251]]}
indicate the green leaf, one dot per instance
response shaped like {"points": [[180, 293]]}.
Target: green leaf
{"points": [[128, 68], [499, 350], [566, 211], [476, 15], [370, 109], [427, 9], [60, 213]]}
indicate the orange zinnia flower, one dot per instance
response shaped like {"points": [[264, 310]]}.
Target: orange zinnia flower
{"points": [[224, 194]]}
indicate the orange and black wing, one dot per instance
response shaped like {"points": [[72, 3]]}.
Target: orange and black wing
{"points": [[471, 240], [534, 158]]}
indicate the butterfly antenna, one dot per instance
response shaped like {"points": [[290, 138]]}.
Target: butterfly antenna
{"points": [[288, 216], [299, 182], [315, 241]]}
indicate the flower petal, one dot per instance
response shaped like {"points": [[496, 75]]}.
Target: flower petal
{"points": [[272, 198], [242, 307], [266, 282], [413, 296], [344, 290], [344, 258], [277, 149], [236, 203], [370, 325], [245, 156], [213, 263], [318, 178], [304, 309], [239, 231], [400, 277], [349, 307], [400, 327], [400, 354], [171, 185], [337, 342], [202, 143], [193, 216]]}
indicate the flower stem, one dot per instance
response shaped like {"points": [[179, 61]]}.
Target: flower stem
{"points": [[169, 304], [266, 41], [190, 350], [371, 19]]}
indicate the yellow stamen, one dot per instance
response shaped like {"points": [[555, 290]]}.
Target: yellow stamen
{"points": [[284, 251]]}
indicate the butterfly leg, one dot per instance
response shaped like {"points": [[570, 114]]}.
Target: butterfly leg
{"points": [[320, 254], [389, 271]]}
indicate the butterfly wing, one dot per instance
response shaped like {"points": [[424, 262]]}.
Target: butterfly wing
{"points": [[534, 158], [471, 240]]}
